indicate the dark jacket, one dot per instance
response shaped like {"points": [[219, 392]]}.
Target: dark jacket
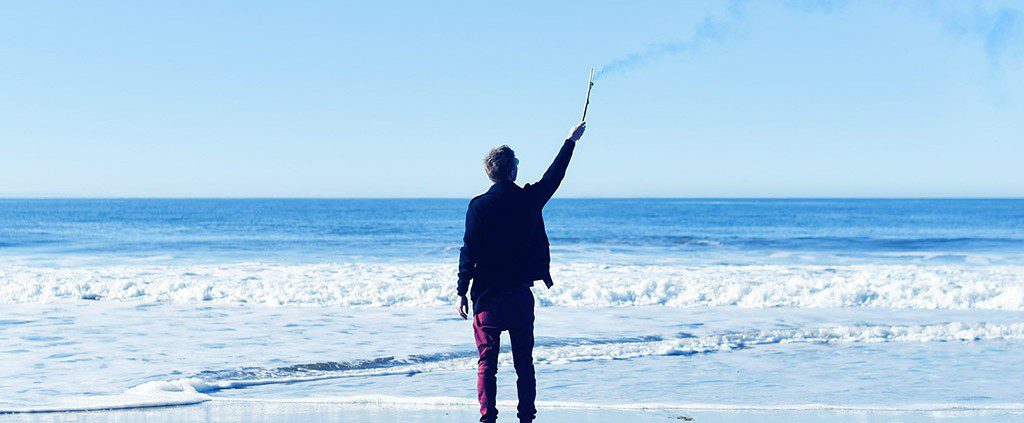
{"points": [[505, 243]]}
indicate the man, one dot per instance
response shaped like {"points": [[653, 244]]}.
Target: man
{"points": [[505, 250]]}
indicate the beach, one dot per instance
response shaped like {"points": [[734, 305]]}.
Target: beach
{"points": [[710, 211], [174, 315]]}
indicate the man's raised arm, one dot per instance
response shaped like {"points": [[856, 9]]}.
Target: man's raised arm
{"points": [[552, 178]]}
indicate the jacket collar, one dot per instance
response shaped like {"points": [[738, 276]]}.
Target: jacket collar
{"points": [[503, 187]]}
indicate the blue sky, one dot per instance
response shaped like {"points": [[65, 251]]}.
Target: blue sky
{"points": [[333, 99]]}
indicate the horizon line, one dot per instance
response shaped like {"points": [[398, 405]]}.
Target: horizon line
{"points": [[6, 198]]}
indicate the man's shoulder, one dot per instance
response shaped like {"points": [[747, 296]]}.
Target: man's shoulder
{"points": [[477, 198], [492, 199], [479, 201]]}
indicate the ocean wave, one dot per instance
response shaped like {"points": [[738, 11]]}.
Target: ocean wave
{"points": [[576, 285], [560, 353], [201, 387], [576, 351], [798, 243]]}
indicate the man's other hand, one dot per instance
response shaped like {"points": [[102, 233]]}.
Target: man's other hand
{"points": [[577, 131], [462, 304]]}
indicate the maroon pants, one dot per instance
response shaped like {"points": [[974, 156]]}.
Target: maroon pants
{"points": [[511, 310]]}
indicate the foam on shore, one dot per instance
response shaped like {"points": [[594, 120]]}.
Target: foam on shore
{"points": [[577, 285], [201, 387], [574, 351], [147, 395]]}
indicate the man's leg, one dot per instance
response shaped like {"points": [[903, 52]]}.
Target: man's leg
{"points": [[526, 380], [488, 344], [521, 336]]}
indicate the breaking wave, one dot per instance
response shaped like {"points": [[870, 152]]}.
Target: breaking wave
{"points": [[199, 387], [573, 351], [576, 285]]}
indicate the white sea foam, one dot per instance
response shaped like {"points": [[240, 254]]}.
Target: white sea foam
{"points": [[147, 395], [194, 390], [624, 349], [577, 285]]}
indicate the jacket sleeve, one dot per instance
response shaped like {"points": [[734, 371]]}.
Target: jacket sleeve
{"points": [[552, 178], [468, 252]]}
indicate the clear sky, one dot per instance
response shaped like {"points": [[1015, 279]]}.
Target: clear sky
{"points": [[383, 99]]}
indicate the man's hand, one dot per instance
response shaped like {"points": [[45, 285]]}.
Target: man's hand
{"points": [[577, 131], [462, 304]]}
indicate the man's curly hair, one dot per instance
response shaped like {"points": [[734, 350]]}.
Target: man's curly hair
{"points": [[500, 163]]}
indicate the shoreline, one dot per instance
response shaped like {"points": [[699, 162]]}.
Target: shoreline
{"points": [[305, 410], [632, 359], [388, 402]]}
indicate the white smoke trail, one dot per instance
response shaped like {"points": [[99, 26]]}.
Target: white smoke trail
{"points": [[711, 30], [999, 28]]}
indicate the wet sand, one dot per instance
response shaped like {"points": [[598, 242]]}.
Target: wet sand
{"points": [[245, 411]]}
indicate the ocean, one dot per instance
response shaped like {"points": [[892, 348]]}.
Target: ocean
{"points": [[720, 304]]}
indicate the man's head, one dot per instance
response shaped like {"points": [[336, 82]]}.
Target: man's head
{"points": [[501, 164]]}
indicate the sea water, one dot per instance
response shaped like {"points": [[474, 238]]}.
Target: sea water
{"points": [[657, 303]]}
